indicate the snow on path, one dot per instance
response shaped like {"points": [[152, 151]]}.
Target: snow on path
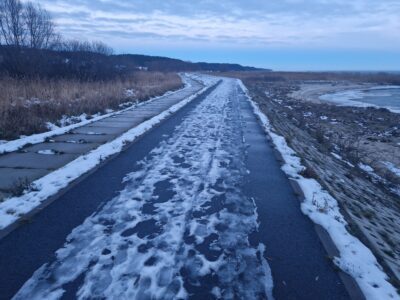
{"points": [[180, 227]]}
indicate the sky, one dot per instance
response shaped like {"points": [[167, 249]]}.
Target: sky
{"points": [[278, 34]]}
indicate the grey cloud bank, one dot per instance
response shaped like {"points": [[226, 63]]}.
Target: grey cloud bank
{"points": [[289, 24]]}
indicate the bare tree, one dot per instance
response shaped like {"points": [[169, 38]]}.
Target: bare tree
{"points": [[39, 26], [56, 43], [102, 48], [76, 46], [12, 27], [85, 46], [26, 29]]}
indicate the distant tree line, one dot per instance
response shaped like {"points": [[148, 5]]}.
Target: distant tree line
{"points": [[26, 25], [31, 46]]}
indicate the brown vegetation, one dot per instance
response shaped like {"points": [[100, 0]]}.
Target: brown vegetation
{"points": [[27, 104]]}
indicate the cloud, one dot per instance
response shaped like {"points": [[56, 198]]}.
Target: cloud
{"points": [[275, 23]]}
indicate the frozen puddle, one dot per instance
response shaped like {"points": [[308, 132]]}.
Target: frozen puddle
{"points": [[179, 229]]}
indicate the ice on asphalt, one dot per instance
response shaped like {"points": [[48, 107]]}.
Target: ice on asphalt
{"points": [[180, 224]]}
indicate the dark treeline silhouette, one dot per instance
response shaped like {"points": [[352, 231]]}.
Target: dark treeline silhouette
{"points": [[30, 46], [85, 65], [26, 62], [165, 64]]}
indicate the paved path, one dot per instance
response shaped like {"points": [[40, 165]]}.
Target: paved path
{"points": [[33, 162], [197, 208]]}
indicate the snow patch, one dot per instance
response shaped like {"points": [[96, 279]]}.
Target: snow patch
{"points": [[130, 93], [337, 156], [392, 168], [366, 168], [47, 152]]}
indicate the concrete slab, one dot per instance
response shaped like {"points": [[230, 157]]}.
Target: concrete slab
{"points": [[9, 177], [177, 97], [173, 100], [30, 165], [34, 160], [121, 119], [181, 97], [167, 98], [134, 116], [84, 138], [95, 130], [152, 108], [148, 108], [62, 147], [170, 102], [115, 124], [111, 117], [140, 115]]}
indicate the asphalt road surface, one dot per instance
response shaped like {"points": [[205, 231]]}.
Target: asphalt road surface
{"points": [[197, 208]]}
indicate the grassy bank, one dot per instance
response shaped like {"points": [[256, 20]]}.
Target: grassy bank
{"points": [[26, 105]]}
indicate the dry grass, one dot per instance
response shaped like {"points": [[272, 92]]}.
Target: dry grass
{"points": [[27, 104]]}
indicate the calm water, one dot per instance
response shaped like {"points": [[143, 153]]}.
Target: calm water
{"points": [[385, 96]]}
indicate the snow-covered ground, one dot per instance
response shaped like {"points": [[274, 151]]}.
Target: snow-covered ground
{"points": [[181, 224], [392, 168], [12, 208], [337, 156], [355, 258], [366, 168]]}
